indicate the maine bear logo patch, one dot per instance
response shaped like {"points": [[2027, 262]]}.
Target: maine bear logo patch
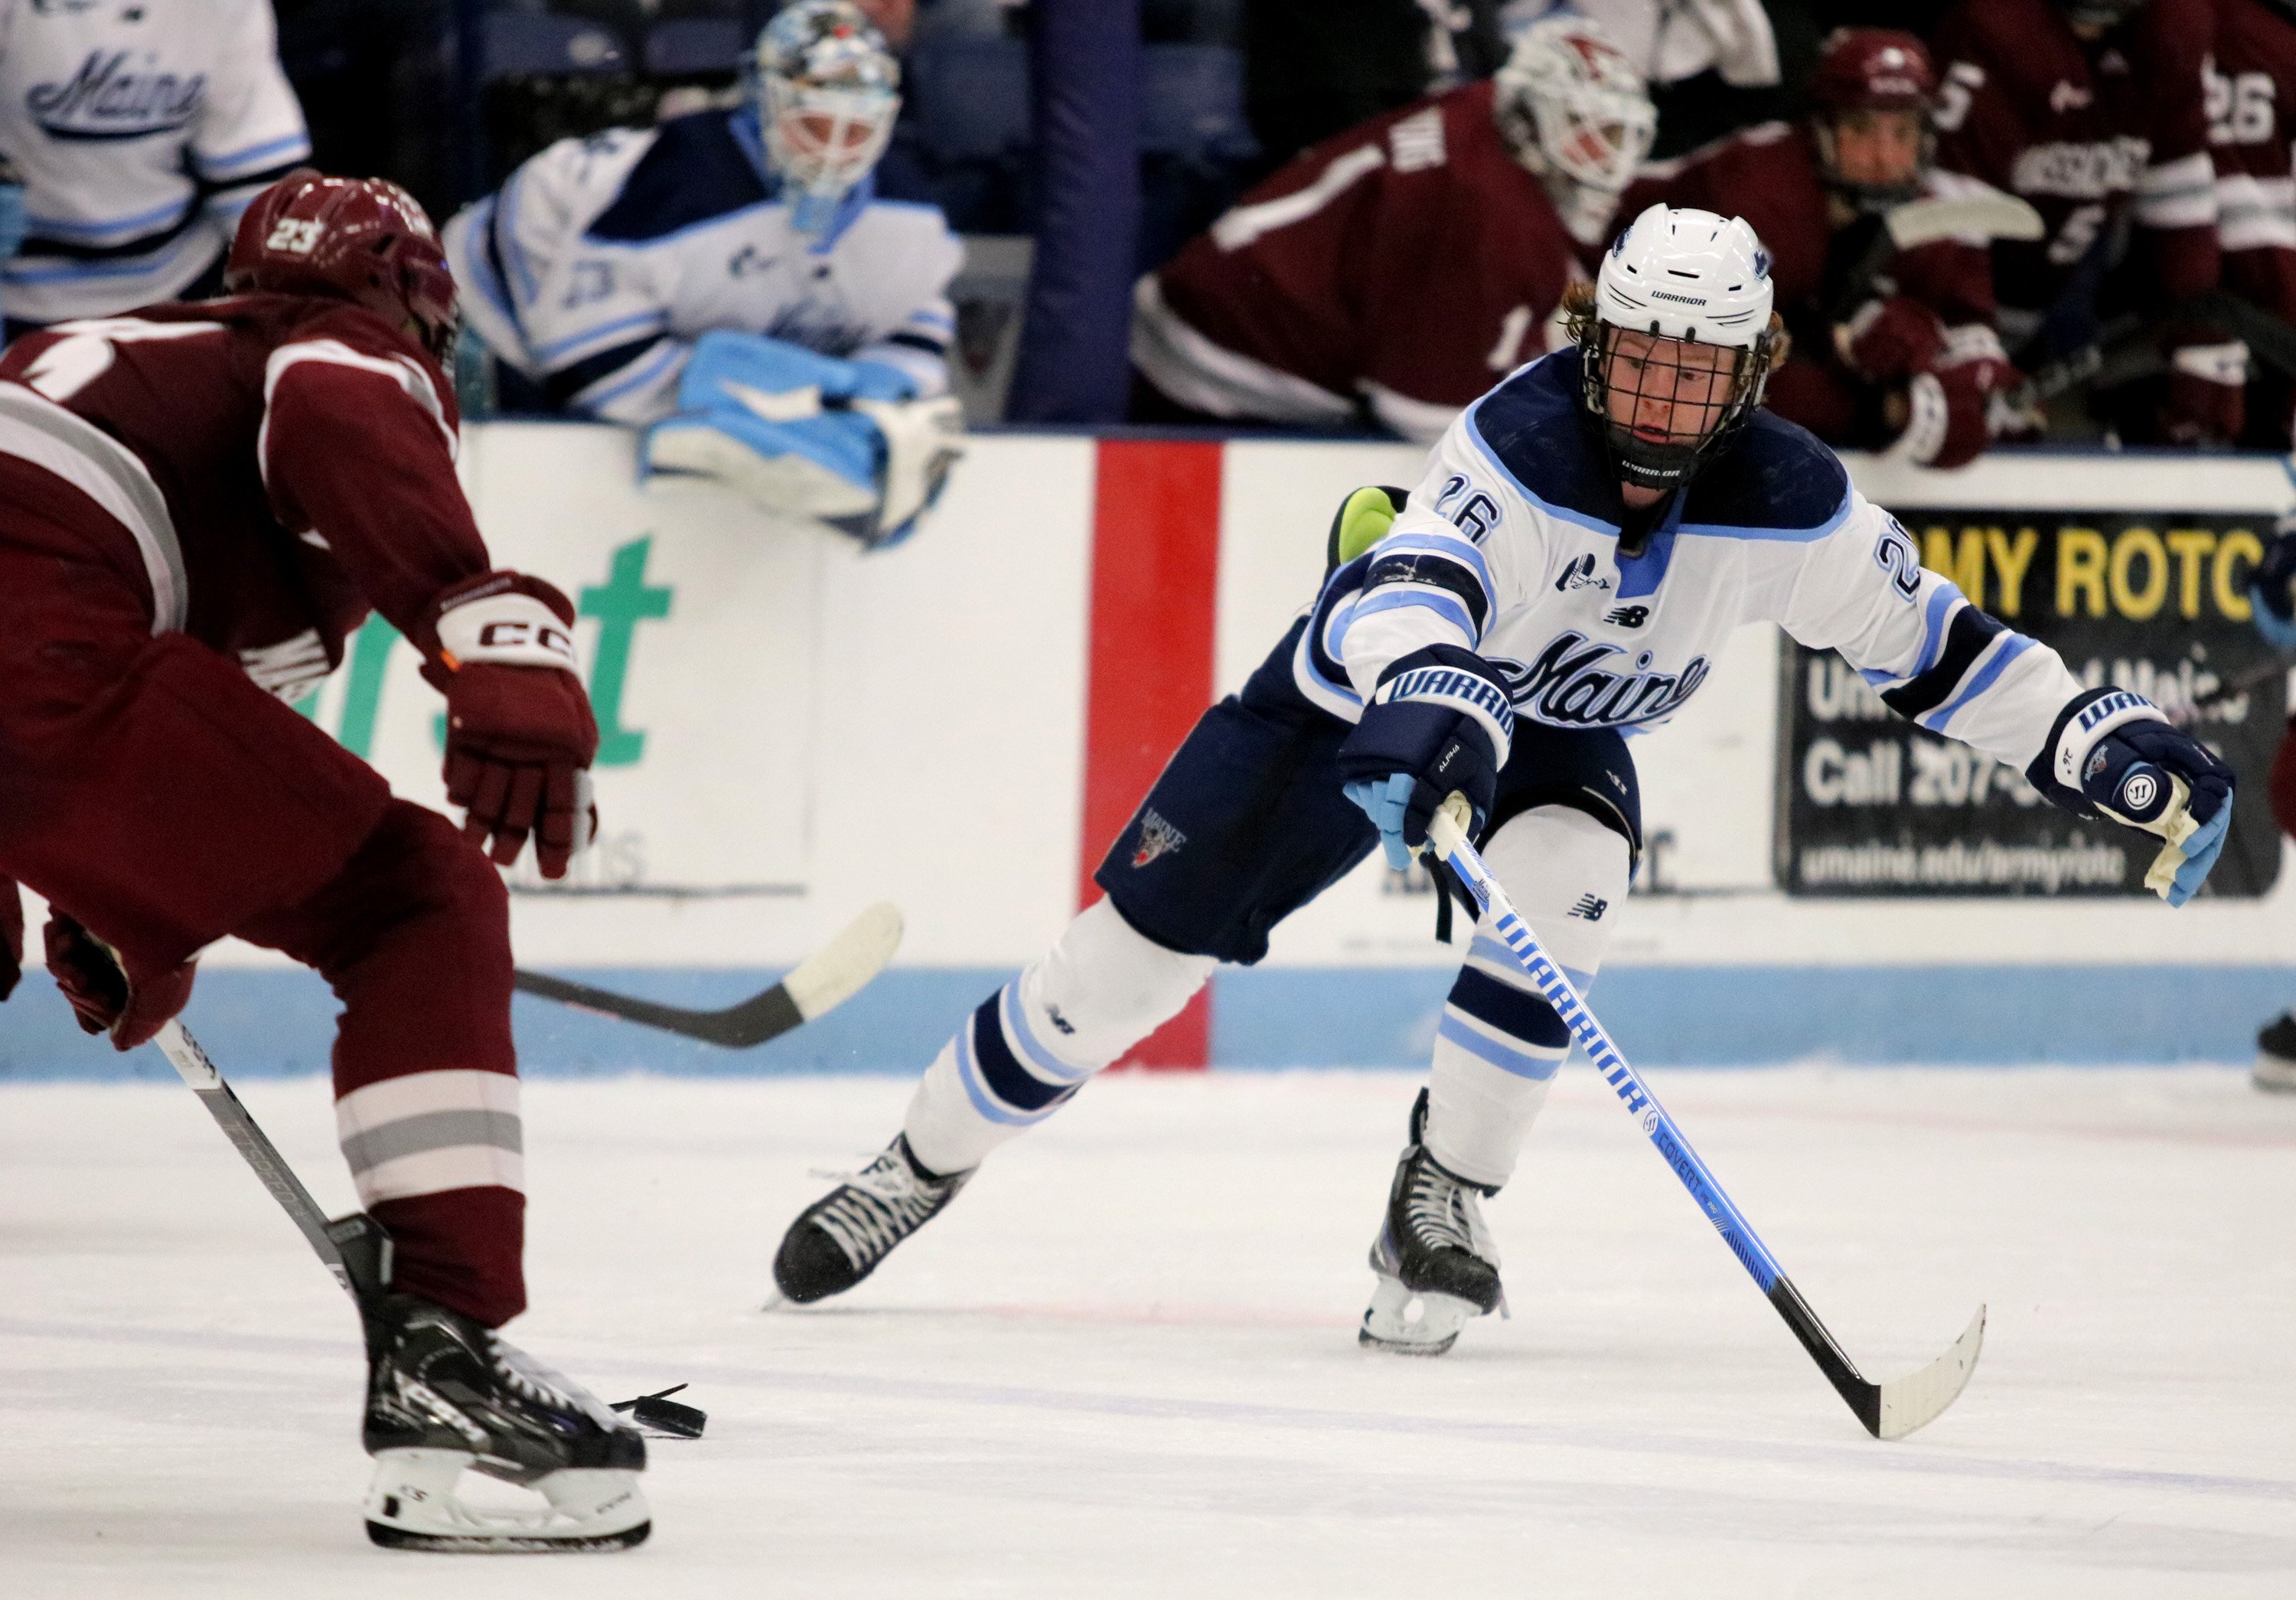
{"points": [[1157, 838]]}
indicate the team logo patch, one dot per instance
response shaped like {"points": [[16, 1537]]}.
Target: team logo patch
{"points": [[1580, 574], [1590, 908], [1157, 838]]}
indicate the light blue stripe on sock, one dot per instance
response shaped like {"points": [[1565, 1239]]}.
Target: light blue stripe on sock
{"points": [[1521, 1063]]}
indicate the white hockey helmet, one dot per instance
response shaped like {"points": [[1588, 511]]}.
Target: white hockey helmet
{"points": [[1675, 280], [1569, 101], [826, 90]]}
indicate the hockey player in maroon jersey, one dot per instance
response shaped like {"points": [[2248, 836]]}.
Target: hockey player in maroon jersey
{"points": [[2251, 106], [1393, 274], [1905, 359], [2093, 110], [197, 504]]}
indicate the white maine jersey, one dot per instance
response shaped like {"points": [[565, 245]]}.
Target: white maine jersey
{"points": [[1505, 550], [601, 259], [142, 129]]}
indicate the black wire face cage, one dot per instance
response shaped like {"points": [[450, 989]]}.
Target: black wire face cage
{"points": [[1699, 431]]}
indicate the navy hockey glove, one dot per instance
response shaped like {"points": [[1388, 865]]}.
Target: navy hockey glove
{"points": [[2113, 754], [1438, 723], [2269, 588]]}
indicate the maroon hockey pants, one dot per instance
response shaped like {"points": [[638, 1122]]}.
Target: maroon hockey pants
{"points": [[150, 790]]}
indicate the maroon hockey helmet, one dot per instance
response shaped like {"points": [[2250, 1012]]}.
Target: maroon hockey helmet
{"points": [[1863, 70], [364, 239], [1874, 69]]}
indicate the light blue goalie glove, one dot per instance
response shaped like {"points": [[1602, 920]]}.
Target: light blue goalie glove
{"points": [[841, 442]]}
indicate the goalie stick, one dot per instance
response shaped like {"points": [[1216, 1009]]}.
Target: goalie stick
{"points": [[825, 979], [1889, 1410]]}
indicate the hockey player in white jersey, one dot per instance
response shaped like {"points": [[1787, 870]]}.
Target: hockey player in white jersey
{"points": [[1585, 537], [729, 282], [140, 133]]}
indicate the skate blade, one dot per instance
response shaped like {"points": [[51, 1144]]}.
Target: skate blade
{"points": [[413, 1505], [1407, 1323]]}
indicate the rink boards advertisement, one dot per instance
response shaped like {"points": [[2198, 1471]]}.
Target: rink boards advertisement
{"points": [[793, 730], [2156, 602]]}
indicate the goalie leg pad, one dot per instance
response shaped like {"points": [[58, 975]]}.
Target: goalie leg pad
{"points": [[822, 466]]}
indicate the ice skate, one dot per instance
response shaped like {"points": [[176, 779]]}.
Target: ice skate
{"points": [[446, 1395], [1436, 1263], [2276, 1055], [839, 1239]]}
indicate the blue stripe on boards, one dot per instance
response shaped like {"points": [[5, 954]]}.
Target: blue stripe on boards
{"points": [[271, 1023], [1516, 1013]]}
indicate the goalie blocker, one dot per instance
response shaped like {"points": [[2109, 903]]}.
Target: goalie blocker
{"points": [[846, 443]]}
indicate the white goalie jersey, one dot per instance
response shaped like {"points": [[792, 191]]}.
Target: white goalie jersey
{"points": [[598, 264], [141, 131], [1506, 550]]}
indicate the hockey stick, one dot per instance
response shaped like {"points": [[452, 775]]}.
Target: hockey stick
{"points": [[355, 1248], [1889, 1410], [2251, 677], [826, 979], [1918, 222]]}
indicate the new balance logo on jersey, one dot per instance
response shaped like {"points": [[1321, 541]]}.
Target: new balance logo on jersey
{"points": [[1628, 616], [107, 100], [1579, 574], [1590, 908], [1157, 838]]}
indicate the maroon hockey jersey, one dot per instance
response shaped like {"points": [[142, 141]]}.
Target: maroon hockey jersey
{"points": [[1405, 266], [2251, 106], [281, 463], [1769, 175], [2082, 131]]}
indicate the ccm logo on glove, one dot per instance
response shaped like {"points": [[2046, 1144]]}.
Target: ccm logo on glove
{"points": [[506, 627]]}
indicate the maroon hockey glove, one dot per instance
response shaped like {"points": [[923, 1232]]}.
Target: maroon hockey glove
{"points": [[1889, 340], [2208, 395], [11, 937], [130, 1008], [520, 734]]}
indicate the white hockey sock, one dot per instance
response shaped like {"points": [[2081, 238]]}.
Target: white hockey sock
{"points": [[1499, 1042], [1100, 990]]}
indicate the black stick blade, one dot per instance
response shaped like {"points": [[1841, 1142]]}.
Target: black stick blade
{"points": [[827, 978]]}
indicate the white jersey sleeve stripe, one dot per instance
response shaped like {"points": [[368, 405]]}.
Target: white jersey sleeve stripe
{"points": [[255, 158], [605, 336], [1442, 602], [2006, 649]]}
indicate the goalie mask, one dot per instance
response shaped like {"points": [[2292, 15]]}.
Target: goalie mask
{"points": [[1677, 344], [826, 92], [1574, 109]]}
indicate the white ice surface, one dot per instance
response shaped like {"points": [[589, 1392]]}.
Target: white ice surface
{"points": [[1124, 1363]]}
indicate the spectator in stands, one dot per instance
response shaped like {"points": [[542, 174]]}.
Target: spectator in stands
{"points": [[728, 282], [1392, 274], [1713, 66], [1894, 352], [2092, 111], [1314, 69], [140, 132]]}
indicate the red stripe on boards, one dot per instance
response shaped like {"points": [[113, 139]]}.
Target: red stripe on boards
{"points": [[1155, 574]]}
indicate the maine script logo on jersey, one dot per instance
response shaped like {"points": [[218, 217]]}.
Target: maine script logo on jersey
{"points": [[107, 99], [1577, 682]]}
